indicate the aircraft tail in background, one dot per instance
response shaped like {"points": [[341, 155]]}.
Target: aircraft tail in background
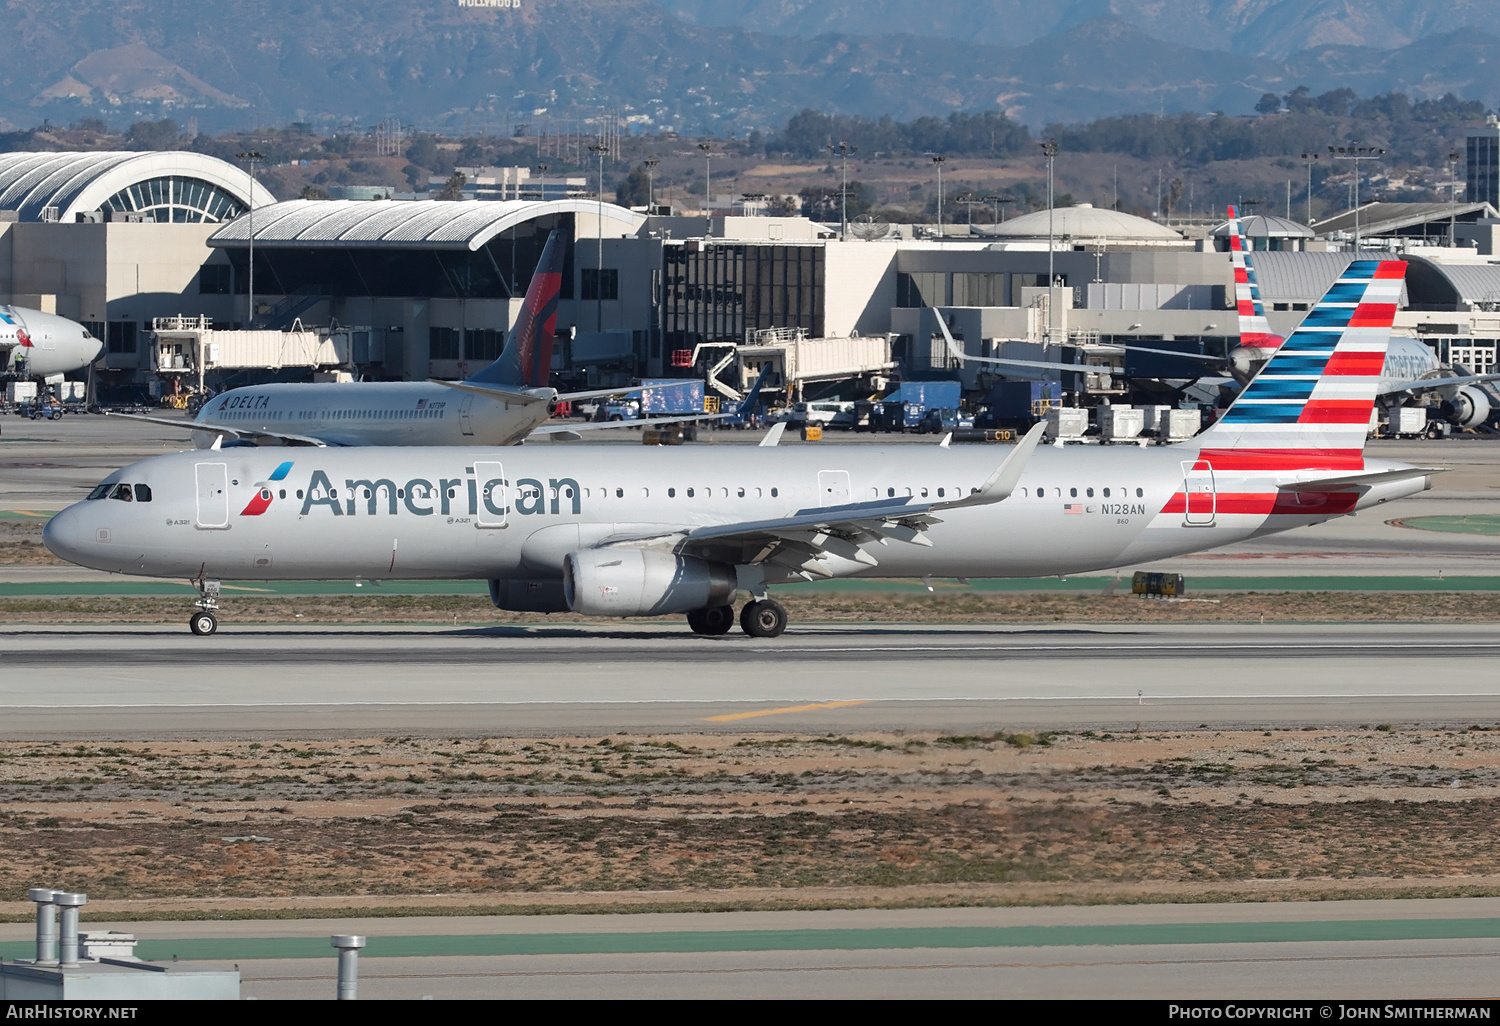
{"points": [[526, 361]]}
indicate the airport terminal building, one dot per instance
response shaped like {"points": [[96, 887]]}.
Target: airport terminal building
{"points": [[429, 288]]}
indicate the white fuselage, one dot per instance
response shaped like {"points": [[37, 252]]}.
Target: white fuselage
{"points": [[395, 413], [58, 345], [300, 513]]}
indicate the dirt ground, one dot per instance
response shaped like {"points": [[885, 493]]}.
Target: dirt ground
{"points": [[750, 820]]}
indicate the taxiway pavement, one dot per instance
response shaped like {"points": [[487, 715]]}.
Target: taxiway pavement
{"points": [[154, 681]]}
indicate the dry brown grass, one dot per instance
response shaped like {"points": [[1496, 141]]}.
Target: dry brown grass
{"points": [[1101, 817]]}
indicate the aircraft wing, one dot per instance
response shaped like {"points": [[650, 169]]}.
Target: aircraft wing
{"points": [[1432, 384], [599, 393], [562, 431], [279, 437], [958, 354], [806, 541]]}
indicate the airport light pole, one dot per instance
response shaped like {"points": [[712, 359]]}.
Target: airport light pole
{"points": [[253, 156], [650, 165], [1049, 150], [997, 201], [843, 149], [599, 150], [708, 188], [938, 158], [1310, 159], [1355, 154], [1453, 158]]}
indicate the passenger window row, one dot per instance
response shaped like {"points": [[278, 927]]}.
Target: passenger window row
{"points": [[690, 493], [1041, 493]]}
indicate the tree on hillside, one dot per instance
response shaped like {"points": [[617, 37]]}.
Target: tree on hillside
{"points": [[635, 189], [153, 135], [453, 188]]}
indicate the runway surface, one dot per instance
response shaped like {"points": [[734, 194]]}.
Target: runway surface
{"points": [[1332, 950], [130, 681]]}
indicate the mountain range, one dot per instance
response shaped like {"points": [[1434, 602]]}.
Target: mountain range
{"points": [[721, 66]]}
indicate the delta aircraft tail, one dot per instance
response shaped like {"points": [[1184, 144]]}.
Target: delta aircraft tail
{"points": [[526, 361]]}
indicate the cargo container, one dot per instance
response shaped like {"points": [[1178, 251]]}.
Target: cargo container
{"points": [[1120, 423], [1183, 424], [1067, 422], [1406, 422]]}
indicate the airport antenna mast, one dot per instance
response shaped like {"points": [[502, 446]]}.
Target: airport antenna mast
{"points": [[254, 157]]}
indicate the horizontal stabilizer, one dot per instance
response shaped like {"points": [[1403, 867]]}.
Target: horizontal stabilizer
{"points": [[1373, 477], [500, 392]]}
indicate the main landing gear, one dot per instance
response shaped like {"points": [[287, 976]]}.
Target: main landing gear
{"points": [[712, 621], [203, 622], [763, 618]]}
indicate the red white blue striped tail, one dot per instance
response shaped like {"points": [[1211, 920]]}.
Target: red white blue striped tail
{"points": [[1310, 406], [1255, 330]]}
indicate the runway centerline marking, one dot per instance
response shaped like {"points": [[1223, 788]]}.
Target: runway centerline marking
{"points": [[727, 717]]}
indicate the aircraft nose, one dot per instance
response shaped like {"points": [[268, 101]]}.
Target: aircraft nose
{"points": [[64, 534]]}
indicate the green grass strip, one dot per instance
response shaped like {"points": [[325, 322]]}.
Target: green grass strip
{"points": [[229, 948], [1196, 586], [1477, 523]]}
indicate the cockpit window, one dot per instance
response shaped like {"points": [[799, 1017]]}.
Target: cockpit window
{"points": [[142, 493], [100, 491], [122, 492]]}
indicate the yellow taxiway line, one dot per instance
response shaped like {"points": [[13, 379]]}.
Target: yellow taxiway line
{"points": [[727, 717]]}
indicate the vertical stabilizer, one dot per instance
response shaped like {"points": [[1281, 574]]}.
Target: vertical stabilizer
{"points": [[526, 361], [1255, 330], [1311, 405]]}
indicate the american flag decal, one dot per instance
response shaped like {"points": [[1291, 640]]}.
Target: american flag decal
{"points": [[1073, 507]]}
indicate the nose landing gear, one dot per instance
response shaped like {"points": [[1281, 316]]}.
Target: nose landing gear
{"points": [[203, 622]]}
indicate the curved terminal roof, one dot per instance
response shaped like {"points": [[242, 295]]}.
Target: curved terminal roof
{"points": [[81, 183], [1084, 222], [1289, 276], [1439, 285], [1268, 226], [403, 224]]}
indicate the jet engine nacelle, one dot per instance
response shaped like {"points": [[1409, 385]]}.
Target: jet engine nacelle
{"points": [[1468, 408], [642, 582]]}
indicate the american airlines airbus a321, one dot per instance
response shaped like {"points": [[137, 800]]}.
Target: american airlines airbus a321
{"points": [[504, 403], [646, 531]]}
